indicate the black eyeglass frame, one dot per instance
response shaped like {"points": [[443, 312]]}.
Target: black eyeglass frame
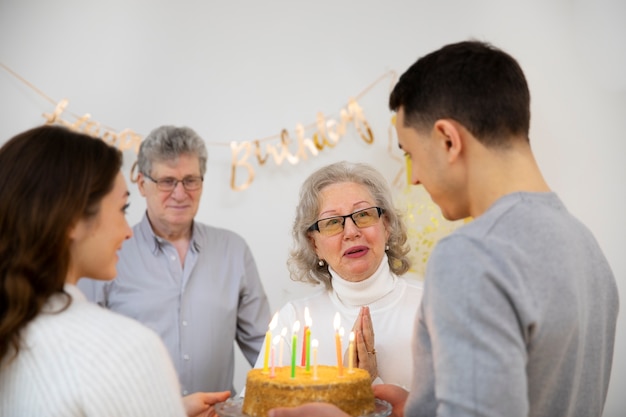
{"points": [[176, 181], [315, 226]]}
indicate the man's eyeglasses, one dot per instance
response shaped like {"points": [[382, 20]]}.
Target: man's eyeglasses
{"points": [[169, 183], [334, 225]]}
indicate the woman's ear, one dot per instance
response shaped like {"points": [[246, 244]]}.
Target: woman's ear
{"points": [[77, 230], [386, 224], [312, 241]]}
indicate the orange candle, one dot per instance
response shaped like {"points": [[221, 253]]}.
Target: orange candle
{"points": [[351, 353], [338, 336], [268, 342]]}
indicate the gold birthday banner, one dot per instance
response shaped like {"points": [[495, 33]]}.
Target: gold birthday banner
{"points": [[326, 133], [425, 224]]}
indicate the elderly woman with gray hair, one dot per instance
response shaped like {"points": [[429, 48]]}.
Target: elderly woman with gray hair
{"points": [[349, 240]]}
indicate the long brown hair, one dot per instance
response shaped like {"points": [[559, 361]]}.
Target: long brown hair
{"points": [[50, 178]]}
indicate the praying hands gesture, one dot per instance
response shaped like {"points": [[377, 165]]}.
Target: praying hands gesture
{"points": [[365, 351]]}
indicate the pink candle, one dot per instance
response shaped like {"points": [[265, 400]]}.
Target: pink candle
{"points": [[273, 354], [283, 333]]}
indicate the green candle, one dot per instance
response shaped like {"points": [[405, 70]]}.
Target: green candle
{"points": [[294, 342], [308, 349]]}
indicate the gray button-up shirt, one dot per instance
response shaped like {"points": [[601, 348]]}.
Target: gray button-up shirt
{"points": [[198, 309]]}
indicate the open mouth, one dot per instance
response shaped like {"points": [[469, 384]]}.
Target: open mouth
{"points": [[357, 250]]}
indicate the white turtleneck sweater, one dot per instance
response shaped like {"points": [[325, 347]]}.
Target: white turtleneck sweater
{"points": [[393, 303], [87, 361]]}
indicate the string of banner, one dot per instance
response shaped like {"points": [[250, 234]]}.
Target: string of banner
{"points": [[326, 132]]}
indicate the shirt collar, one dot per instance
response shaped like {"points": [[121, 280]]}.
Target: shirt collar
{"points": [[148, 235]]}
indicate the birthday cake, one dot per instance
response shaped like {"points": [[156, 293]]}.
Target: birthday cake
{"points": [[352, 392]]}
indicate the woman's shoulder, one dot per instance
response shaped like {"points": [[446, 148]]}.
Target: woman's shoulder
{"points": [[93, 324], [411, 283]]}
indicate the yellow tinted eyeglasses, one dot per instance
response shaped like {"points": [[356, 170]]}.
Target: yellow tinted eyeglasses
{"points": [[334, 225]]}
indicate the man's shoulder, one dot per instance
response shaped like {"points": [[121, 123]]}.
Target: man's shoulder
{"points": [[207, 229], [208, 235]]}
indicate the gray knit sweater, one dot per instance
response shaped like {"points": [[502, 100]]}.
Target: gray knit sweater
{"points": [[518, 317]]}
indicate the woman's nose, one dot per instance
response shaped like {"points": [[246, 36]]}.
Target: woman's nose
{"points": [[350, 228]]}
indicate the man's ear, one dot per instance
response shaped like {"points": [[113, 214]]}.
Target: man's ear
{"points": [[451, 137], [141, 183]]}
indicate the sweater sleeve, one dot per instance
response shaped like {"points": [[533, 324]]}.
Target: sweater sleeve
{"points": [[478, 351], [133, 377]]}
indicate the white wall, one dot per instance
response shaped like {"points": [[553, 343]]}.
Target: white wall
{"points": [[237, 70]]}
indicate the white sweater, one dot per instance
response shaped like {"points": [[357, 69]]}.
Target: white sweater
{"points": [[87, 361], [393, 303]]}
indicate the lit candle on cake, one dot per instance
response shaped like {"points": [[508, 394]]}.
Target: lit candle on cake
{"points": [[283, 333], [268, 342], [314, 344], [294, 343], [307, 323], [308, 346], [351, 353], [273, 355], [338, 336]]}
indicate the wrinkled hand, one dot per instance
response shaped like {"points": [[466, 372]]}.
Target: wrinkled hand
{"points": [[365, 355], [308, 410], [394, 395], [200, 404]]}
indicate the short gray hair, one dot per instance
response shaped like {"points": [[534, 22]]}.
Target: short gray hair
{"points": [[303, 262], [166, 143]]}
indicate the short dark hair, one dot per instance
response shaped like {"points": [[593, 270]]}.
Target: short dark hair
{"points": [[50, 178], [472, 82]]}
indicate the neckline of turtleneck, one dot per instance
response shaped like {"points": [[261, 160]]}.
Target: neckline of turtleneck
{"points": [[364, 292]]}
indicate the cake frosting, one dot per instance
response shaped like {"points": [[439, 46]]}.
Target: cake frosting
{"points": [[351, 392]]}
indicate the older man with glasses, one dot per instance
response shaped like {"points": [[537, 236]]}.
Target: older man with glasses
{"points": [[196, 285]]}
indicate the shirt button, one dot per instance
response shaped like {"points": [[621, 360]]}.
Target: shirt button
{"points": [[184, 322], [186, 357], [185, 392], [173, 258]]}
